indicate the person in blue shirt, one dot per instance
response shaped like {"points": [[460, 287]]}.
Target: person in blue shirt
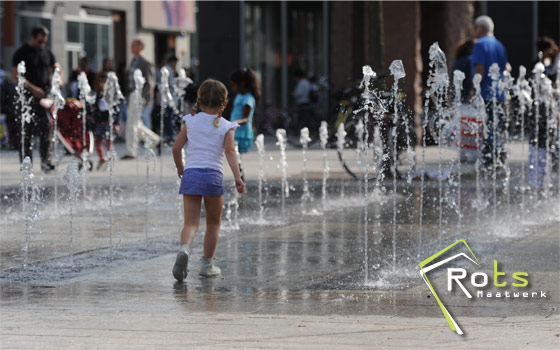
{"points": [[487, 51], [245, 84], [462, 63]]}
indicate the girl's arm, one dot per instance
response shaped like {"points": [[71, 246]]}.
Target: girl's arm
{"points": [[176, 150], [246, 112], [231, 156]]}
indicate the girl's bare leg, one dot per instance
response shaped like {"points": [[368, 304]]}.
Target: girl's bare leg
{"points": [[213, 207], [191, 204]]}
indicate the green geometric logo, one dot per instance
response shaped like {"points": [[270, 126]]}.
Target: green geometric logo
{"points": [[424, 268]]}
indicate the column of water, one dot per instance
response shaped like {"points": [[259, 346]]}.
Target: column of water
{"points": [[522, 90], [28, 194], [235, 193], [135, 106], [458, 78], [438, 83], [166, 101], [259, 142], [505, 86], [72, 178], [480, 110], [494, 73], [557, 123], [180, 83], [369, 76], [359, 130], [149, 156], [425, 118], [304, 139], [85, 97], [24, 104], [179, 203], [58, 101], [340, 140], [113, 97], [548, 102], [323, 136], [397, 71], [281, 137], [538, 76]]}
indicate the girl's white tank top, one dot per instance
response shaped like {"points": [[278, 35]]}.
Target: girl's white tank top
{"points": [[205, 142]]}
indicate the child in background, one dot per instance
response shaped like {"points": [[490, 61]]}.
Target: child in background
{"points": [[207, 135], [245, 84], [99, 113]]}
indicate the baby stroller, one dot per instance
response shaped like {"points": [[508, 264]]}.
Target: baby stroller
{"points": [[70, 131]]}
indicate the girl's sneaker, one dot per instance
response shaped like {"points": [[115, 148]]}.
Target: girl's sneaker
{"points": [[180, 267], [208, 269]]}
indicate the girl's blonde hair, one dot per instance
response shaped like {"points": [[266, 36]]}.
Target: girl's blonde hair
{"points": [[211, 93]]}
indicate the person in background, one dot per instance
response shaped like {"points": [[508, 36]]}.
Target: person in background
{"points": [[138, 62], [541, 137], [463, 58], [83, 66], [487, 51], [551, 61], [107, 65], [190, 92], [302, 93], [40, 64], [99, 115], [245, 84], [550, 57], [8, 109]]}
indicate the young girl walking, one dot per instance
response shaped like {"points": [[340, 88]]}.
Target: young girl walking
{"points": [[99, 113], [245, 84], [207, 136]]}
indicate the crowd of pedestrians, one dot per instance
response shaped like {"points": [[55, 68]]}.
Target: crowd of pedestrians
{"points": [[476, 56], [473, 56], [40, 65]]}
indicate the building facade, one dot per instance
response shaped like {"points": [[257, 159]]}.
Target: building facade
{"points": [[332, 40], [100, 29]]}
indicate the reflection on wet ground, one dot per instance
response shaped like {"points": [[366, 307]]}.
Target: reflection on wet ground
{"points": [[309, 262]]}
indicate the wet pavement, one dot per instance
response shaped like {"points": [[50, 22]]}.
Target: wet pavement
{"points": [[289, 281]]}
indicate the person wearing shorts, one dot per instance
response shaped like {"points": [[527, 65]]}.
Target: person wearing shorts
{"points": [[208, 137]]}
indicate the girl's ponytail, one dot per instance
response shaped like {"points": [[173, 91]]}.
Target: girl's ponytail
{"points": [[195, 107], [216, 121]]}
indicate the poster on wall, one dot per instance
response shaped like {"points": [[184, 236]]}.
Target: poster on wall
{"points": [[168, 15]]}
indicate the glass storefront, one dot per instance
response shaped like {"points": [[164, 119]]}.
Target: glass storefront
{"points": [[26, 24], [90, 39], [263, 44]]}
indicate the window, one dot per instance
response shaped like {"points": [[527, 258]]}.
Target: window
{"points": [[91, 39], [26, 24]]}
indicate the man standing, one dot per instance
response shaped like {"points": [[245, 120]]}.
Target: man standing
{"points": [[301, 95], [134, 123], [487, 51], [40, 64]]}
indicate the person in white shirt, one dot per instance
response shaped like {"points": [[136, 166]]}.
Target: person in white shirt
{"points": [[301, 95], [207, 136]]}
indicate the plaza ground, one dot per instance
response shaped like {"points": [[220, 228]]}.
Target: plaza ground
{"points": [[291, 283]]}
